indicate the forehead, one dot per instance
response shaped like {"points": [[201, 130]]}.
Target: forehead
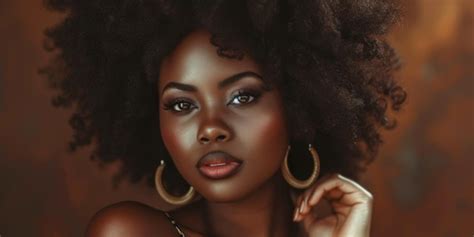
{"points": [[195, 59]]}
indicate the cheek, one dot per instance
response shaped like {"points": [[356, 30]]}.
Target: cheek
{"points": [[268, 129], [176, 136], [271, 126], [267, 136]]}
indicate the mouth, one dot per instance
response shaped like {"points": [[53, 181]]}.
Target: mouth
{"points": [[218, 165]]}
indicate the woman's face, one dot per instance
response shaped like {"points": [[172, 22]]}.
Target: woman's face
{"points": [[211, 103]]}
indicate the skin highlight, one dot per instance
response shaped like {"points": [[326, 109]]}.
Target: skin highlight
{"points": [[252, 131], [199, 113], [332, 72], [250, 127]]}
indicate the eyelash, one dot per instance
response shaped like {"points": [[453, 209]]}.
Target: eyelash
{"points": [[170, 105]]}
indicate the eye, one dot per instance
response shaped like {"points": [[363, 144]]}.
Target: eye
{"points": [[179, 105], [244, 97]]}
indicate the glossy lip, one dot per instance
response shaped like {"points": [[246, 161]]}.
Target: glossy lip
{"points": [[211, 165]]}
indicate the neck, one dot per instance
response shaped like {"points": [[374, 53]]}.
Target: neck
{"points": [[266, 212]]}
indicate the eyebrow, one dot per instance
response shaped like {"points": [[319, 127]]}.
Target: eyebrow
{"points": [[230, 80]]}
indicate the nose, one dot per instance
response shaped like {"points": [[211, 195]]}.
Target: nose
{"points": [[214, 131]]}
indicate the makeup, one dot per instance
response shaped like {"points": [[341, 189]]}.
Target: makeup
{"points": [[219, 110], [218, 165]]}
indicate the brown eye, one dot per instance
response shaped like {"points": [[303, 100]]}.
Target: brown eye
{"points": [[179, 106], [244, 97]]}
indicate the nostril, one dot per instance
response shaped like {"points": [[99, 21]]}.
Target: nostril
{"points": [[220, 138], [204, 139]]}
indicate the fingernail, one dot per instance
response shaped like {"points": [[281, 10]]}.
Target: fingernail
{"points": [[306, 201], [310, 197], [296, 213], [303, 206]]}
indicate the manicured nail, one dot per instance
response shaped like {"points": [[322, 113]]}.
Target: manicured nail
{"points": [[303, 206], [310, 197], [306, 201], [296, 214]]}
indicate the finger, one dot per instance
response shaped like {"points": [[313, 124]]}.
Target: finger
{"points": [[349, 193], [297, 201], [303, 203], [331, 195], [301, 206], [307, 207], [356, 185], [304, 207], [334, 195]]}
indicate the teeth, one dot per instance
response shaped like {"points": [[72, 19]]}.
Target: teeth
{"points": [[220, 164]]}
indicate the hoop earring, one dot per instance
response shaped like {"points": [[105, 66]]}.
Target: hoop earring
{"points": [[294, 182], [185, 199]]}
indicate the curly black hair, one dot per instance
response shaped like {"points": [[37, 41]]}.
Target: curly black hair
{"points": [[327, 57]]}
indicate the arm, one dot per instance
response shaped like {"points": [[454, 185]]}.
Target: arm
{"points": [[129, 219]]}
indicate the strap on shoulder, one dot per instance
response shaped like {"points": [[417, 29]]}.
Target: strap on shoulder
{"points": [[170, 218]]}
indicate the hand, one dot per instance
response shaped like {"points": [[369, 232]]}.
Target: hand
{"points": [[351, 208]]}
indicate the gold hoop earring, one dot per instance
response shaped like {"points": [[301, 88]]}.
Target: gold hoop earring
{"points": [[185, 199], [294, 182]]}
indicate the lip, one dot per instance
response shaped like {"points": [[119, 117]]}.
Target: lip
{"points": [[218, 165]]}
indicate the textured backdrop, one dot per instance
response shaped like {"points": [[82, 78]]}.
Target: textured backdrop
{"points": [[422, 180]]}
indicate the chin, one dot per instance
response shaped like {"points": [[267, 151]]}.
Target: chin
{"points": [[224, 193], [228, 191], [233, 189], [223, 197]]}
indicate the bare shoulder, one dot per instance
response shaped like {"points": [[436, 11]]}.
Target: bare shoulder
{"points": [[129, 218]]}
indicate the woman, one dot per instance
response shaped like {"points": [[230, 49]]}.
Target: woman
{"points": [[231, 109]]}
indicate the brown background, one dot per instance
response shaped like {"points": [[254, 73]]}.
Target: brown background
{"points": [[422, 180]]}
